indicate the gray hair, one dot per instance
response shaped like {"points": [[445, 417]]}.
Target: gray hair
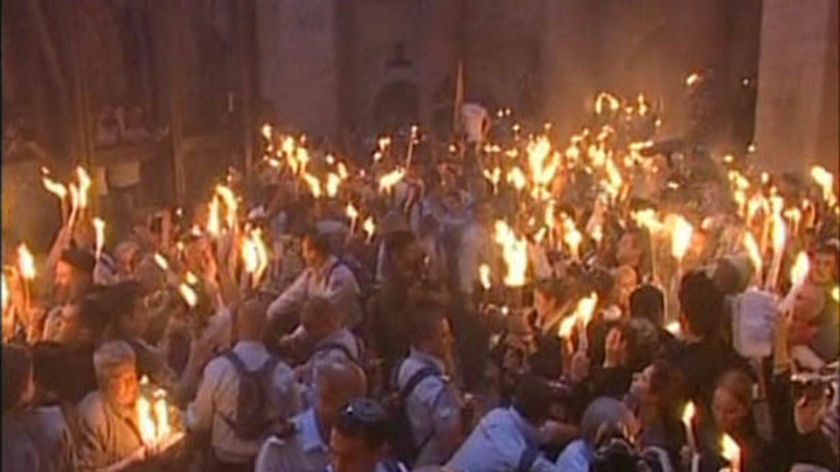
{"points": [[111, 355]]}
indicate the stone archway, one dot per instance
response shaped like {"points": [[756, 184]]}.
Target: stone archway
{"points": [[396, 106]]}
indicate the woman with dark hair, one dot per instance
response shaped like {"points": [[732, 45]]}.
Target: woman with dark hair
{"points": [[34, 439], [733, 415], [658, 395]]}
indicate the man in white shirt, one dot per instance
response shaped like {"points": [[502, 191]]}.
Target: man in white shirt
{"points": [[326, 276], [306, 448], [215, 406]]}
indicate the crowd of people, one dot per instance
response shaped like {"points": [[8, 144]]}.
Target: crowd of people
{"points": [[440, 311]]}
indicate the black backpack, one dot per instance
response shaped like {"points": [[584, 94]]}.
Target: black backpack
{"points": [[250, 422], [400, 436]]}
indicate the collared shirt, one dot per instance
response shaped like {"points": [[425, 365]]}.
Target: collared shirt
{"points": [[106, 436], [498, 444], [305, 451], [327, 351], [217, 399], [332, 280], [433, 408], [576, 457]]}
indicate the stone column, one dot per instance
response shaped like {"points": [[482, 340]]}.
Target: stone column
{"points": [[796, 119]]}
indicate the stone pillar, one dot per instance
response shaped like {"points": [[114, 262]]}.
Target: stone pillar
{"points": [[299, 67], [796, 119]]}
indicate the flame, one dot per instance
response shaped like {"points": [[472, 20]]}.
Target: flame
{"points": [[26, 263], [161, 410], [681, 232], [614, 181], [369, 227], [566, 327], [571, 235], [515, 253], [825, 179], [188, 294], [835, 294], [267, 131], [75, 196], [255, 254], [389, 180], [231, 204], [779, 234], [753, 251], [649, 219], [483, 275], [516, 177], [605, 99], [586, 308], [214, 226], [641, 105], [313, 183], [674, 328], [333, 182], [145, 421], [56, 188], [542, 168], [494, 177], [84, 186], [352, 213], [693, 79], [5, 294], [688, 414], [99, 228], [161, 262], [342, 171], [191, 278], [731, 452], [799, 271], [383, 143]]}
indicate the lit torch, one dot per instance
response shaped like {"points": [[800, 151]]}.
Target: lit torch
{"points": [[60, 191], [99, 228], [84, 186], [515, 253], [583, 313]]}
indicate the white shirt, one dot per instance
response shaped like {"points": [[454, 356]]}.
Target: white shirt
{"points": [[333, 280], [305, 451], [218, 395], [473, 118]]}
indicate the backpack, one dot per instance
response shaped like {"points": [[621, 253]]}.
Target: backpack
{"points": [[363, 278], [399, 431], [250, 422]]}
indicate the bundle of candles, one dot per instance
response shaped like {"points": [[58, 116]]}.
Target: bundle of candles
{"points": [[157, 419]]}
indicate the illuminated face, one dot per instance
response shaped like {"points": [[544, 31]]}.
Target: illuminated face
{"points": [[626, 283], [121, 386], [823, 268], [65, 276], [729, 412], [808, 303], [309, 253], [352, 454], [69, 325]]}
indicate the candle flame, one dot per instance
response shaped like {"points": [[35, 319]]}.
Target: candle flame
{"points": [[191, 278], [267, 131], [231, 204], [188, 294], [56, 188], [351, 212], [161, 410], [571, 236], [145, 421], [214, 226], [483, 274], [681, 233], [84, 186], [333, 182], [515, 253], [389, 180], [835, 294], [566, 327], [313, 183], [648, 218], [26, 263], [604, 100], [688, 414], [586, 308], [825, 180], [730, 449], [516, 177], [800, 269], [369, 227], [255, 254], [754, 253], [693, 79], [674, 328], [99, 228], [161, 262]]}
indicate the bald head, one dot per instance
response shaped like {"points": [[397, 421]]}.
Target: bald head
{"points": [[251, 321], [337, 382]]}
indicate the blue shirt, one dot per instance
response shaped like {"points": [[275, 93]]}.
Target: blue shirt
{"points": [[498, 444], [305, 451], [576, 457], [433, 409]]}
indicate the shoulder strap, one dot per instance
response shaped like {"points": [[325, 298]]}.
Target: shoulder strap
{"points": [[527, 459], [416, 378], [236, 361], [269, 365], [336, 346], [328, 278]]}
